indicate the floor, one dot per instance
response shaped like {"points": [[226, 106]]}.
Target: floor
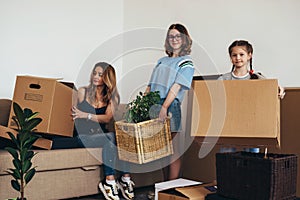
{"points": [[140, 194]]}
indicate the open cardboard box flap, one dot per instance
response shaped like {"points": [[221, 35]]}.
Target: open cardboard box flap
{"points": [[197, 192], [194, 192]]}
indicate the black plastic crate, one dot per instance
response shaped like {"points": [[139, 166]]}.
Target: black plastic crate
{"points": [[251, 176]]}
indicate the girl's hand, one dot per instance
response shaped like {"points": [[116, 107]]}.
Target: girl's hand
{"points": [[163, 114], [76, 113], [281, 92]]}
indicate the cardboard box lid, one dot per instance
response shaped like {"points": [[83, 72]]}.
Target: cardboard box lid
{"points": [[197, 192], [194, 192], [180, 182], [233, 108]]}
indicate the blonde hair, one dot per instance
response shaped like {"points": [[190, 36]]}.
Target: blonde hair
{"points": [[110, 91]]}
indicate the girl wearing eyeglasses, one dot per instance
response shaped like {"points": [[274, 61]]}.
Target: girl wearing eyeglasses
{"points": [[172, 76]]}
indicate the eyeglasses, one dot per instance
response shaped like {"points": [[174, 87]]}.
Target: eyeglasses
{"points": [[172, 37]]}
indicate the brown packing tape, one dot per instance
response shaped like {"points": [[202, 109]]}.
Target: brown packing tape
{"points": [[41, 142]]}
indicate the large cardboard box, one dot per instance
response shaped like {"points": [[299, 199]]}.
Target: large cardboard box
{"points": [[233, 108], [51, 98], [184, 189]]}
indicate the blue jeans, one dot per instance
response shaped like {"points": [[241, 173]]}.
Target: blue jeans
{"points": [[105, 140], [109, 151], [174, 111]]}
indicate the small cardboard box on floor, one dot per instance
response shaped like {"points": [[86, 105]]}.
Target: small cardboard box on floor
{"points": [[235, 109], [183, 189], [51, 98]]}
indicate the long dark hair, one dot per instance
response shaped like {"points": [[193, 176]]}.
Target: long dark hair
{"points": [[249, 49], [186, 41], [110, 91]]}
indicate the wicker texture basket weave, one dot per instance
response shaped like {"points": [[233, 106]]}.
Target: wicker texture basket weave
{"points": [[249, 176], [144, 141]]}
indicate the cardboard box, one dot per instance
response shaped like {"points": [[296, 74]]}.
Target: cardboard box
{"points": [[41, 142], [191, 190], [52, 99], [233, 108]]}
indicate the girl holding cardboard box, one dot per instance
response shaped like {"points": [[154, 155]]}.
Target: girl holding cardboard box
{"points": [[241, 52]]}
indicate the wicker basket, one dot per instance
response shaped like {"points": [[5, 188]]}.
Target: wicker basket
{"points": [[144, 141], [249, 176]]}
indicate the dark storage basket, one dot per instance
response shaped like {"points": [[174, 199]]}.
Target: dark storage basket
{"points": [[250, 176]]}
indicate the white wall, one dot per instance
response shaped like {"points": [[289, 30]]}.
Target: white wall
{"points": [[55, 38], [272, 26]]}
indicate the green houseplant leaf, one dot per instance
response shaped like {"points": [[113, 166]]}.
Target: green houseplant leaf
{"points": [[15, 184], [12, 152], [139, 108], [29, 175], [23, 172]]}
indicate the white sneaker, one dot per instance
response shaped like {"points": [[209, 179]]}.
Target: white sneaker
{"points": [[126, 189], [110, 192]]}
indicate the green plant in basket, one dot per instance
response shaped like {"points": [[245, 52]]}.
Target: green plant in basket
{"points": [[138, 110], [21, 151]]}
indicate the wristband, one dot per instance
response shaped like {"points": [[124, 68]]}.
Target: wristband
{"points": [[89, 116]]}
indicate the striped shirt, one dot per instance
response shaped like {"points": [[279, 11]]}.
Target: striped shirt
{"points": [[171, 70]]}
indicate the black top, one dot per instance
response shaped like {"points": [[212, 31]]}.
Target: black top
{"points": [[85, 126]]}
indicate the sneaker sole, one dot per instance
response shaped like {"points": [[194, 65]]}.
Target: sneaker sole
{"points": [[104, 192], [123, 192]]}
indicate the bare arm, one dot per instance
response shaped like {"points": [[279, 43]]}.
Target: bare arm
{"points": [[169, 99], [147, 90], [77, 114]]}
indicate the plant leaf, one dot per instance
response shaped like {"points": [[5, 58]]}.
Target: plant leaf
{"points": [[29, 175], [26, 154], [29, 155], [26, 166], [15, 184], [16, 174], [19, 114], [32, 116], [27, 113], [13, 152], [13, 139], [17, 164], [32, 123], [30, 141]]}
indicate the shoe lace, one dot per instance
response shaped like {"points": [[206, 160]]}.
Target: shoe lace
{"points": [[130, 186], [115, 189]]}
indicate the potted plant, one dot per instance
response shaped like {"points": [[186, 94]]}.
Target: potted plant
{"points": [[21, 151], [141, 136], [139, 108]]}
